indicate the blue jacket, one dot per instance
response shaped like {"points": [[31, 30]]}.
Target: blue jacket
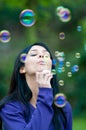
{"points": [[40, 118]]}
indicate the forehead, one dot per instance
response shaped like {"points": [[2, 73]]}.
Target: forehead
{"points": [[38, 48]]}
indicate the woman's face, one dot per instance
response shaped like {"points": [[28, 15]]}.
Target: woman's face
{"points": [[38, 59]]}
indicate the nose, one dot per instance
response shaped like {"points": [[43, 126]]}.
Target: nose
{"points": [[41, 55]]}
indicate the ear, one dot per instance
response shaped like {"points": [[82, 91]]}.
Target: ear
{"points": [[22, 70]]}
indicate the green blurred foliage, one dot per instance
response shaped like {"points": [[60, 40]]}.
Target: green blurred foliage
{"points": [[46, 29], [79, 124]]}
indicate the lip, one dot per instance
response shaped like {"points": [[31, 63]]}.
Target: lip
{"points": [[41, 63]]}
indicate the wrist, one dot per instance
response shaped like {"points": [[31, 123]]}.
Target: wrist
{"points": [[45, 86]]}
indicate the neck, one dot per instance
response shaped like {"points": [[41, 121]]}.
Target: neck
{"points": [[31, 81]]}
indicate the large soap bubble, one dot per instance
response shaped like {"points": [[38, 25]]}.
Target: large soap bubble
{"points": [[60, 100], [27, 18]]}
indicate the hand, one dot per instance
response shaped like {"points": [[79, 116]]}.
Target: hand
{"points": [[43, 78]]}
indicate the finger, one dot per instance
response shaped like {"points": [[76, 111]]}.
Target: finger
{"points": [[39, 76], [46, 71], [48, 77]]}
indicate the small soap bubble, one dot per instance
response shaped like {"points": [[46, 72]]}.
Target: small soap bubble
{"points": [[54, 61], [62, 35], [61, 63], [75, 68], [46, 57], [67, 64], [5, 36], [60, 100], [61, 82], [69, 74], [23, 57], [27, 18], [61, 56], [65, 15], [56, 53], [59, 69], [58, 9], [63, 69], [60, 59], [79, 28], [77, 55], [53, 71]]}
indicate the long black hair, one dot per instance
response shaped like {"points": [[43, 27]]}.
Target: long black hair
{"points": [[19, 90]]}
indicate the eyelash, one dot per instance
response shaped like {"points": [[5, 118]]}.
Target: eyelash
{"points": [[37, 54], [33, 54]]}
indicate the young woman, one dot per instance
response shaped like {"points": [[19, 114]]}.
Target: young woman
{"points": [[29, 104]]}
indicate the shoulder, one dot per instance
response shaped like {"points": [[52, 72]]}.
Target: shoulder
{"points": [[67, 108], [12, 106], [68, 113]]}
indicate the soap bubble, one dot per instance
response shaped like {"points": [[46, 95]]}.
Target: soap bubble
{"points": [[60, 100], [5, 36], [46, 57], [23, 57], [62, 35], [58, 9], [54, 61], [61, 57], [75, 68], [61, 82], [69, 74], [53, 71], [56, 53], [77, 55], [60, 69], [67, 64], [79, 28], [27, 18], [64, 14]]}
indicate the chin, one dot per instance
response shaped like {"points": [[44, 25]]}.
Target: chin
{"points": [[40, 69]]}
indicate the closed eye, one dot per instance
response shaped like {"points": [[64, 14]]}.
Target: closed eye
{"points": [[33, 54]]}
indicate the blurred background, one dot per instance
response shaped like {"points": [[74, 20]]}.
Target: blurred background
{"points": [[61, 24]]}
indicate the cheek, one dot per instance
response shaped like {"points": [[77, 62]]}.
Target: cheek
{"points": [[49, 64], [30, 65]]}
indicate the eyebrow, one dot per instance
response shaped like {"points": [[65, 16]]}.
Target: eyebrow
{"points": [[34, 50], [37, 50]]}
